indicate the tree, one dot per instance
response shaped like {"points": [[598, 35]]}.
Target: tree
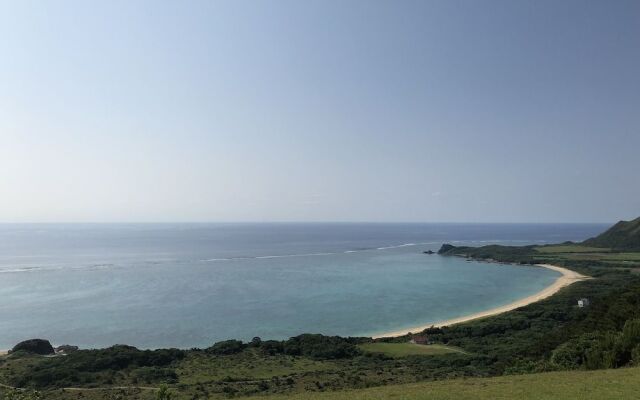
{"points": [[164, 393], [573, 353]]}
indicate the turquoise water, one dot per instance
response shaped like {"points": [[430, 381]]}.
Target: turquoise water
{"points": [[191, 285]]}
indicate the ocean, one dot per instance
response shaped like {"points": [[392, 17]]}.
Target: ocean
{"points": [[190, 285]]}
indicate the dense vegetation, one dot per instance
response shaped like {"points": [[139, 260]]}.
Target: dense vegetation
{"points": [[534, 337], [550, 335], [314, 346], [104, 366], [408, 349]]}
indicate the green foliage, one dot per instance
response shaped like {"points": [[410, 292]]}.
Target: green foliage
{"points": [[611, 349], [570, 248], [250, 365], [630, 335], [321, 347], [510, 254], [98, 366], [154, 374], [635, 356], [625, 235], [603, 354], [226, 347], [164, 393], [14, 394], [408, 349], [314, 346], [573, 353], [272, 347], [599, 350]]}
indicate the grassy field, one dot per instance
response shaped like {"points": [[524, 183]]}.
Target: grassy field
{"points": [[611, 384], [247, 366], [408, 349], [585, 253], [620, 384], [573, 248]]}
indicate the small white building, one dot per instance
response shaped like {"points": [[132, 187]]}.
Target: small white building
{"points": [[584, 302]]}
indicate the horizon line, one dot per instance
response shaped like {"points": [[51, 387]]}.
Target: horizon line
{"points": [[295, 222]]}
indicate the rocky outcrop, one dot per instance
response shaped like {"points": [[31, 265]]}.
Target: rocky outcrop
{"points": [[34, 346], [446, 248], [66, 349]]}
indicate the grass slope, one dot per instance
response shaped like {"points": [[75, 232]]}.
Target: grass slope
{"points": [[617, 384], [625, 235], [248, 365], [408, 349]]}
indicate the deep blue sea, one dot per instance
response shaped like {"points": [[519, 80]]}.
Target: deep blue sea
{"points": [[186, 285]]}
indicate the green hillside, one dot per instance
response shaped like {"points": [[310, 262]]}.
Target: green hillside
{"points": [[617, 384], [625, 235]]}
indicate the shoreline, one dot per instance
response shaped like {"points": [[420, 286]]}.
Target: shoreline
{"points": [[568, 277]]}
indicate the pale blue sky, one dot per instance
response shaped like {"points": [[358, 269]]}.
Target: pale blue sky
{"points": [[467, 111]]}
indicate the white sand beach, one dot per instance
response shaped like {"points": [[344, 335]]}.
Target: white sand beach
{"points": [[568, 277]]}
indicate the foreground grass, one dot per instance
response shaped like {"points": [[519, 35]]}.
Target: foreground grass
{"points": [[617, 384], [611, 384], [408, 349]]}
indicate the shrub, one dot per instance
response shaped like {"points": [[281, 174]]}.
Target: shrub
{"points": [[226, 347], [603, 353], [573, 354], [321, 347], [635, 355], [155, 374], [272, 347]]}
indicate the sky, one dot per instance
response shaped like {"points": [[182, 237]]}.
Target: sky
{"points": [[420, 111]]}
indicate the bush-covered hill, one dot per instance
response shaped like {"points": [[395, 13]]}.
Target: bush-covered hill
{"points": [[625, 235]]}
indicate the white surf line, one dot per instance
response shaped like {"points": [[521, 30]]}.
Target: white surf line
{"points": [[315, 254]]}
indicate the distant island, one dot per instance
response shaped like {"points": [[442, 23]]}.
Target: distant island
{"points": [[593, 324]]}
